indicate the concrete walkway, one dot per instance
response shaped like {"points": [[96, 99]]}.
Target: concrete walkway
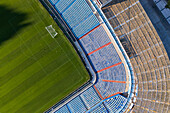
{"points": [[160, 23]]}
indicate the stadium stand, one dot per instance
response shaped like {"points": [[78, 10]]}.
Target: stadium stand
{"points": [[114, 104], [54, 1], [95, 40], [90, 97], [98, 25], [100, 109], [112, 74], [63, 5], [107, 57], [76, 105], [151, 62], [77, 14], [108, 88], [105, 53], [82, 28], [63, 109]]}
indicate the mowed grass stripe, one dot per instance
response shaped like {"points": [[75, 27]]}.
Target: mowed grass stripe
{"points": [[79, 67], [33, 79], [18, 79], [21, 58], [43, 92], [18, 69], [26, 32], [36, 86], [18, 51], [26, 55], [16, 39], [29, 52], [49, 96]]}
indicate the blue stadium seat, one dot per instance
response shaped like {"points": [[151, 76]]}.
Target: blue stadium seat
{"points": [[115, 104], [86, 26], [63, 109], [63, 4], [77, 105], [108, 88], [81, 19], [95, 39], [116, 73], [77, 12], [90, 97], [100, 109], [105, 57], [53, 2]]}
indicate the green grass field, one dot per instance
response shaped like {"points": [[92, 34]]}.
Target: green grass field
{"points": [[36, 71]]}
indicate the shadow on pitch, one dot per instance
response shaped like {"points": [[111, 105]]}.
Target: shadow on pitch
{"points": [[11, 22]]}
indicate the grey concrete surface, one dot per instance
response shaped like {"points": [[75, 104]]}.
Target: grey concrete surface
{"points": [[160, 23]]}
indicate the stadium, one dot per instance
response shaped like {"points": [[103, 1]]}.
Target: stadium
{"points": [[84, 56], [122, 80]]}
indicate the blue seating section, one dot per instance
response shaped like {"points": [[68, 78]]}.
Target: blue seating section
{"points": [[100, 109], [114, 73], [104, 57], [63, 109], [80, 18], [76, 12], [63, 4], [76, 105], [108, 88], [85, 26], [115, 104], [94, 40], [90, 97], [53, 2]]}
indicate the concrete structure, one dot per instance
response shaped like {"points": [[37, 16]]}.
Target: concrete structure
{"points": [[141, 24], [98, 27]]}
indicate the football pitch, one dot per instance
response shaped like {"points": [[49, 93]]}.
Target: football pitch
{"points": [[36, 70]]}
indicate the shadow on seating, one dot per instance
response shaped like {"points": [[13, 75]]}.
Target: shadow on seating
{"points": [[125, 94], [114, 2]]}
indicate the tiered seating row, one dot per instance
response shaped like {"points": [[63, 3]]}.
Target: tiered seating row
{"points": [[76, 12], [53, 1], [63, 109], [63, 4], [115, 104], [107, 55], [87, 25], [100, 109], [95, 39], [81, 103], [114, 73], [108, 88], [76, 105], [112, 104], [151, 64], [90, 97], [81, 20]]}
